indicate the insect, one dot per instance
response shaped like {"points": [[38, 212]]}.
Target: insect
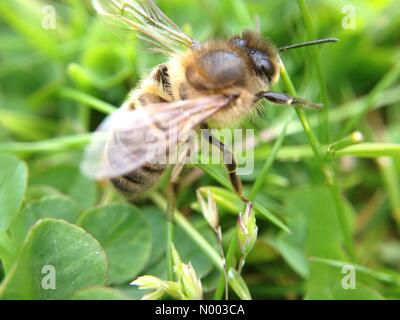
{"points": [[216, 83]]}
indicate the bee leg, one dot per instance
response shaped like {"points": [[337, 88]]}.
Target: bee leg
{"points": [[229, 162], [172, 190], [282, 98], [173, 186]]}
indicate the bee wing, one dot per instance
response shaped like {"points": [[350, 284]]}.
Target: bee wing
{"points": [[145, 17], [128, 139]]}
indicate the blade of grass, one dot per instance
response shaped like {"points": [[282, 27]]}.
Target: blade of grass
{"points": [[190, 231], [314, 143], [363, 150], [267, 165], [215, 172], [229, 261], [390, 178], [87, 100], [197, 238], [387, 80], [170, 241], [343, 112], [326, 170], [324, 121], [242, 13], [382, 276], [230, 201], [371, 150], [26, 126], [7, 250], [15, 13], [355, 138], [287, 153], [44, 146]]}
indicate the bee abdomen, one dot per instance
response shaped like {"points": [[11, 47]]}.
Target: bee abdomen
{"points": [[135, 183]]}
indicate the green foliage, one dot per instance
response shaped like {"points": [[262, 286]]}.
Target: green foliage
{"points": [[57, 207], [13, 177], [323, 199], [187, 250], [70, 182], [99, 293], [125, 236], [77, 258]]}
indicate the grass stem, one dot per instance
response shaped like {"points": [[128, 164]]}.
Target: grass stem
{"points": [[86, 100], [373, 98], [326, 170], [324, 119], [229, 263], [267, 165], [170, 241], [190, 231]]}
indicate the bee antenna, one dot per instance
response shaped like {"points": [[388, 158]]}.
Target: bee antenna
{"points": [[308, 43]]}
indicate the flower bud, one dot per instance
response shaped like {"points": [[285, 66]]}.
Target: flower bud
{"points": [[147, 282], [247, 230], [153, 295], [173, 289], [238, 285], [188, 282], [191, 285], [176, 260], [158, 288], [209, 209]]}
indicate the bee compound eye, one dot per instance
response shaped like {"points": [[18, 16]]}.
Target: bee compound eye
{"points": [[267, 68]]}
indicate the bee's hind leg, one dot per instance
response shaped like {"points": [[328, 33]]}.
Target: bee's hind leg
{"points": [[173, 186], [172, 190], [229, 162], [284, 99]]}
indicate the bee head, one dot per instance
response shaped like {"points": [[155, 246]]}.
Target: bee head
{"points": [[262, 54]]}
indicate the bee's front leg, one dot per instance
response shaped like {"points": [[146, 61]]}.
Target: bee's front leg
{"points": [[229, 162], [282, 98]]}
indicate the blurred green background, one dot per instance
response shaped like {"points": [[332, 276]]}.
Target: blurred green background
{"points": [[56, 83]]}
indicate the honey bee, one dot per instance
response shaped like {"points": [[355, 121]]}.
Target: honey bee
{"points": [[215, 83]]}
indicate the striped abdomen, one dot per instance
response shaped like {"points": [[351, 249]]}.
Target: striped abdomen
{"points": [[135, 183]]}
